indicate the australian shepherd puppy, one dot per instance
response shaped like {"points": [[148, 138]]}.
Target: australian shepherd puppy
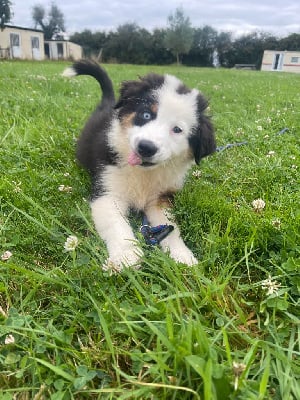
{"points": [[138, 150]]}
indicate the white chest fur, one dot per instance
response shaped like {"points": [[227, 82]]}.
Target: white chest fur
{"points": [[139, 186]]}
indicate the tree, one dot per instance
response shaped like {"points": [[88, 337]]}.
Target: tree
{"points": [[224, 46], [5, 12], [291, 42], [203, 47], [52, 24], [129, 44], [158, 53], [92, 43], [247, 49], [179, 34]]}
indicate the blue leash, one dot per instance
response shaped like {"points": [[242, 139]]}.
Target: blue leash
{"points": [[230, 145]]}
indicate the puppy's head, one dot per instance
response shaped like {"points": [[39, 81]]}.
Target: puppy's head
{"points": [[161, 120]]}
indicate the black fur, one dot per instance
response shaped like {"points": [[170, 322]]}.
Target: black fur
{"points": [[92, 148], [89, 67], [202, 141]]}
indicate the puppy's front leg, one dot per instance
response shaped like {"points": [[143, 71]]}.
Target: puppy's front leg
{"points": [[173, 242], [109, 215]]}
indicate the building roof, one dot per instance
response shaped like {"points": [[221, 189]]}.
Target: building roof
{"points": [[283, 51], [21, 27]]}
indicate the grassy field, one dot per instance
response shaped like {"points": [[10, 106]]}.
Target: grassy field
{"points": [[226, 329]]}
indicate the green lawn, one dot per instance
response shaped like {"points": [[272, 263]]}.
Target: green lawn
{"points": [[226, 329]]}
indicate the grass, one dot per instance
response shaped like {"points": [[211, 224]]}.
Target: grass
{"points": [[70, 331]]}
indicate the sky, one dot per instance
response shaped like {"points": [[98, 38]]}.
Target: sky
{"points": [[238, 16]]}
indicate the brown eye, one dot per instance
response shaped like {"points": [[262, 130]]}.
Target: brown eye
{"points": [[176, 129]]}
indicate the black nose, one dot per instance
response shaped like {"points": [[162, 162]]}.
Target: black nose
{"points": [[146, 148]]}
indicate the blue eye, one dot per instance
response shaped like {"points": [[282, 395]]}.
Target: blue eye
{"points": [[146, 115], [176, 129], [143, 116]]}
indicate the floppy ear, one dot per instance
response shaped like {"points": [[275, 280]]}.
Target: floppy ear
{"points": [[202, 140]]}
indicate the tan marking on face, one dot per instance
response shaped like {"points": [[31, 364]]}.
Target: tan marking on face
{"points": [[127, 121], [154, 108]]}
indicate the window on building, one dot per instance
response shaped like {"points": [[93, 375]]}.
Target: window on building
{"points": [[60, 50], [15, 39], [295, 59], [278, 61], [35, 43], [15, 45]]}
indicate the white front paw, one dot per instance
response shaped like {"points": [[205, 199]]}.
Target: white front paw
{"points": [[184, 256], [130, 258]]}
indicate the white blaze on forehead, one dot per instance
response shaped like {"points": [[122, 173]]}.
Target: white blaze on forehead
{"points": [[175, 107]]}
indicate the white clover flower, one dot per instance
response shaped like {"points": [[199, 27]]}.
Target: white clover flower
{"points": [[9, 339], [269, 120], [17, 188], [276, 223], [71, 243], [258, 205], [238, 369], [270, 285], [259, 128], [271, 153], [63, 188], [41, 77], [6, 255], [197, 173]]}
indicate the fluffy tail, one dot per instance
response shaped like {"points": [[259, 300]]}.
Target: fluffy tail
{"points": [[88, 67]]}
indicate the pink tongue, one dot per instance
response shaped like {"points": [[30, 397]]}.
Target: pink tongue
{"points": [[134, 159]]}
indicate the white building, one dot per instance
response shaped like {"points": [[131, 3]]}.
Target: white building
{"points": [[29, 44], [22, 43], [62, 50], [287, 61]]}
